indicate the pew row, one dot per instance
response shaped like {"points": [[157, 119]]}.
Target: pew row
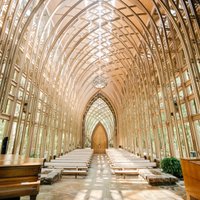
{"points": [[125, 163], [124, 172], [75, 163]]}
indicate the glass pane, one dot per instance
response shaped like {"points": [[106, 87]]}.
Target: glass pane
{"points": [[181, 95], [178, 81], [189, 90], [2, 126], [12, 138], [17, 110], [189, 138], [193, 107], [184, 111], [186, 75], [197, 127]]}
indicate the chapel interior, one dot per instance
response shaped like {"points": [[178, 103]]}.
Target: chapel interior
{"points": [[95, 94]]}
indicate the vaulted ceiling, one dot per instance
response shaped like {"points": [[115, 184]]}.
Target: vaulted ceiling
{"points": [[92, 39], [85, 47]]}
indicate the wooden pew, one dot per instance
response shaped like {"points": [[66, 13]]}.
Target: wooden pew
{"points": [[191, 175], [69, 168], [125, 172], [75, 162], [77, 171], [65, 165], [130, 161], [133, 165], [126, 163], [73, 159], [68, 161], [19, 176]]}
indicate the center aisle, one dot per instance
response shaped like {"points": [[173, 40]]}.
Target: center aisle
{"points": [[105, 186], [100, 184]]}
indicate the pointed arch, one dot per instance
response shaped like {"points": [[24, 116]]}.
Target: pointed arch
{"points": [[99, 110]]}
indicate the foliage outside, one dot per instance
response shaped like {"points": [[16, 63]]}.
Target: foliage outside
{"points": [[172, 166]]}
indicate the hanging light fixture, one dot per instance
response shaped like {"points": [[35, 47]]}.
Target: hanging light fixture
{"points": [[99, 82]]}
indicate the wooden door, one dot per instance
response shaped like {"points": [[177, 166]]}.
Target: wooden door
{"points": [[99, 139]]}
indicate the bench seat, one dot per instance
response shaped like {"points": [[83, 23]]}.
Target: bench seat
{"points": [[131, 161], [126, 172], [64, 165], [133, 165], [68, 161], [74, 172]]}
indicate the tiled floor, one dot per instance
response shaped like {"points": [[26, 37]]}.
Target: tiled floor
{"points": [[100, 184]]}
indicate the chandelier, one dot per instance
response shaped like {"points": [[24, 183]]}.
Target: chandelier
{"points": [[99, 82]]}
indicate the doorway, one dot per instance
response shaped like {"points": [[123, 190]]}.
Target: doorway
{"points": [[99, 139]]}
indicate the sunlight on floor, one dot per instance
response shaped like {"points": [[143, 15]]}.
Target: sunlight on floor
{"points": [[100, 184]]}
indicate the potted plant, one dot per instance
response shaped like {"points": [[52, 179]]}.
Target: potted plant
{"points": [[172, 166]]}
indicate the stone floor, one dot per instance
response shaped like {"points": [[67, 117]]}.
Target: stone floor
{"points": [[100, 184]]}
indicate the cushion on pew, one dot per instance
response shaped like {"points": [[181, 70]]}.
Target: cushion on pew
{"points": [[51, 177]]}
